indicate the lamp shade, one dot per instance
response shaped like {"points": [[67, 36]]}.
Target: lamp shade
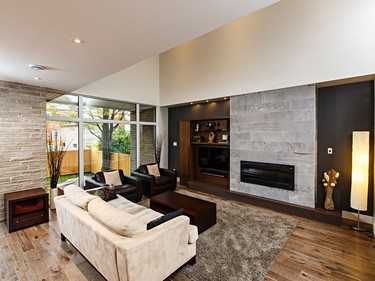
{"points": [[360, 170]]}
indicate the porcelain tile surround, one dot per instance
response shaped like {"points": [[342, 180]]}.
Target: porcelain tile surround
{"points": [[278, 127]]}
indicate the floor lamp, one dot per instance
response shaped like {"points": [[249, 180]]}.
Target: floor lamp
{"points": [[360, 171]]}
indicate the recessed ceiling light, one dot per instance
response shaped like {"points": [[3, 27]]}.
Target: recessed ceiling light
{"points": [[37, 67], [37, 78], [206, 100], [225, 98], [77, 40]]}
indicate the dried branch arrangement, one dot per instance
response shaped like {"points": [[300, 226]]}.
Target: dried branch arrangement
{"points": [[56, 150]]}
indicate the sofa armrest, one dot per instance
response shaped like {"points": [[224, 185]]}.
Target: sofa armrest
{"points": [[90, 183], [148, 178], [131, 180], [160, 251], [168, 172]]}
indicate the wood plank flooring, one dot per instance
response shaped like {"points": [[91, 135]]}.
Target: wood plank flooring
{"points": [[314, 251]]}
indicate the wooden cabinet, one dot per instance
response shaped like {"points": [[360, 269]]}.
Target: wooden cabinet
{"points": [[26, 208], [200, 140]]}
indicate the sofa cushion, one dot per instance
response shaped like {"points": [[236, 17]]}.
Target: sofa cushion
{"points": [[106, 193], [153, 170], [144, 214], [123, 223], [112, 178], [165, 218], [78, 196]]}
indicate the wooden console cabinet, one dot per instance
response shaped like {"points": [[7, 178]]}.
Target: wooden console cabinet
{"points": [[26, 208], [196, 135]]}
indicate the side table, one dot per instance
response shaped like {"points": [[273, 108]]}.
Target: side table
{"points": [[26, 208]]}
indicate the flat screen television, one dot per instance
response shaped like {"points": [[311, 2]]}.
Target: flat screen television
{"points": [[213, 158]]}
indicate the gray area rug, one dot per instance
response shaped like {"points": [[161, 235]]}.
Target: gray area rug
{"points": [[242, 245]]}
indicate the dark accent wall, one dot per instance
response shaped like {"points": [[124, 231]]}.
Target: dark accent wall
{"points": [[190, 112], [342, 110]]}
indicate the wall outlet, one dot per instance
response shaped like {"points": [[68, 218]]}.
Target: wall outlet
{"points": [[330, 150], [174, 143]]}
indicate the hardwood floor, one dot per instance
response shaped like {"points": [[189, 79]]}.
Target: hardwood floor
{"points": [[314, 251]]}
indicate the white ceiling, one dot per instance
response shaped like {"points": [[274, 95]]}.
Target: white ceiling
{"points": [[116, 34]]}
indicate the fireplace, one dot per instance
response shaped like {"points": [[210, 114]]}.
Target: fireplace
{"points": [[268, 174]]}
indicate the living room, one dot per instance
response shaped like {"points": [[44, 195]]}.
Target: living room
{"points": [[260, 63]]}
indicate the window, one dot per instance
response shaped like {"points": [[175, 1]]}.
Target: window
{"points": [[109, 134]]}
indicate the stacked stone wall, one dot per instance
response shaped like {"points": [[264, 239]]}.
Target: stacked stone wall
{"points": [[22, 139], [276, 127]]}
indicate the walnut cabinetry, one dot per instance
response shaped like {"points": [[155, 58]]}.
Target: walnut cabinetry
{"points": [[204, 151], [26, 208]]}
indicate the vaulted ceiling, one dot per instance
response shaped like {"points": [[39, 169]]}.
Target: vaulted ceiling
{"points": [[116, 34]]}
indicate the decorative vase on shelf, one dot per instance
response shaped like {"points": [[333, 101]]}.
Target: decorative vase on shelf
{"points": [[329, 181]]}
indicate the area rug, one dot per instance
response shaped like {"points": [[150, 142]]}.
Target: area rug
{"points": [[242, 245]]}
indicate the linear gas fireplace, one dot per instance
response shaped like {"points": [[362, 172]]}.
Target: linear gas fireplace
{"points": [[273, 175]]}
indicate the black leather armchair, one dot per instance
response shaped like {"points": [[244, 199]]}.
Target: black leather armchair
{"points": [[131, 187], [154, 185]]}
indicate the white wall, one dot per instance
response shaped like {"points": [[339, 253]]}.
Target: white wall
{"points": [[138, 83], [290, 43]]}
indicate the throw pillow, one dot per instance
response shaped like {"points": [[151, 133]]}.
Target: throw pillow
{"points": [[153, 170], [116, 219], [112, 178], [106, 193], [165, 218], [78, 196]]}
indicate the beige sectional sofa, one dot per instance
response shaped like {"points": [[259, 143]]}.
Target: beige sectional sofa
{"points": [[113, 237]]}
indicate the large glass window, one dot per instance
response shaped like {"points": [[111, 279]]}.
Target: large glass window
{"points": [[108, 139], [59, 105], [64, 134], [108, 110], [108, 147]]}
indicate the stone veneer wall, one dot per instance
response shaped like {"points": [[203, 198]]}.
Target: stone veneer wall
{"points": [[276, 127], [22, 139]]}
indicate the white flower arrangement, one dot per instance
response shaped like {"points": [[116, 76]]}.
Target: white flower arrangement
{"points": [[330, 178]]}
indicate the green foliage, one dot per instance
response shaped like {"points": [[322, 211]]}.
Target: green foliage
{"points": [[121, 141]]}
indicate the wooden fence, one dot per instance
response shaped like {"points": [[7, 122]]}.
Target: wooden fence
{"points": [[92, 162]]}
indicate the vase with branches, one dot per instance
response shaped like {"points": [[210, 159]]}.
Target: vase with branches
{"points": [[56, 150], [158, 146]]}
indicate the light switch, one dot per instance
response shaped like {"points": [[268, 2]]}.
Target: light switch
{"points": [[174, 143], [330, 150]]}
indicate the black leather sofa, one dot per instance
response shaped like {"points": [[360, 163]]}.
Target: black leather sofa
{"points": [[131, 187]]}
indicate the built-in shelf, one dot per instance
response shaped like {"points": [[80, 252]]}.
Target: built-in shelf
{"points": [[195, 137]]}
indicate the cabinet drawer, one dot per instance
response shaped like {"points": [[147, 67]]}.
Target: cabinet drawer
{"points": [[28, 220]]}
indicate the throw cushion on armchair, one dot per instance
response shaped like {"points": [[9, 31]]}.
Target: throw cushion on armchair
{"points": [[152, 185], [112, 178], [153, 170], [127, 186]]}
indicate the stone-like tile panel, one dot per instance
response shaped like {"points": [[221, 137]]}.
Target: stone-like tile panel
{"points": [[276, 127], [22, 139]]}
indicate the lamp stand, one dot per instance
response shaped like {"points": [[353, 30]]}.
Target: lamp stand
{"points": [[357, 227]]}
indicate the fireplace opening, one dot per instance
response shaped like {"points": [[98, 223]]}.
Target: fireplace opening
{"points": [[268, 174]]}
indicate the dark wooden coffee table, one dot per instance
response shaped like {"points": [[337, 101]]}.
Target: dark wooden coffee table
{"points": [[201, 213]]}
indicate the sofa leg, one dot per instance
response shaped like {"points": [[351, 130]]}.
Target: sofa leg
{"points": [[192, 261], [63, 238]]}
